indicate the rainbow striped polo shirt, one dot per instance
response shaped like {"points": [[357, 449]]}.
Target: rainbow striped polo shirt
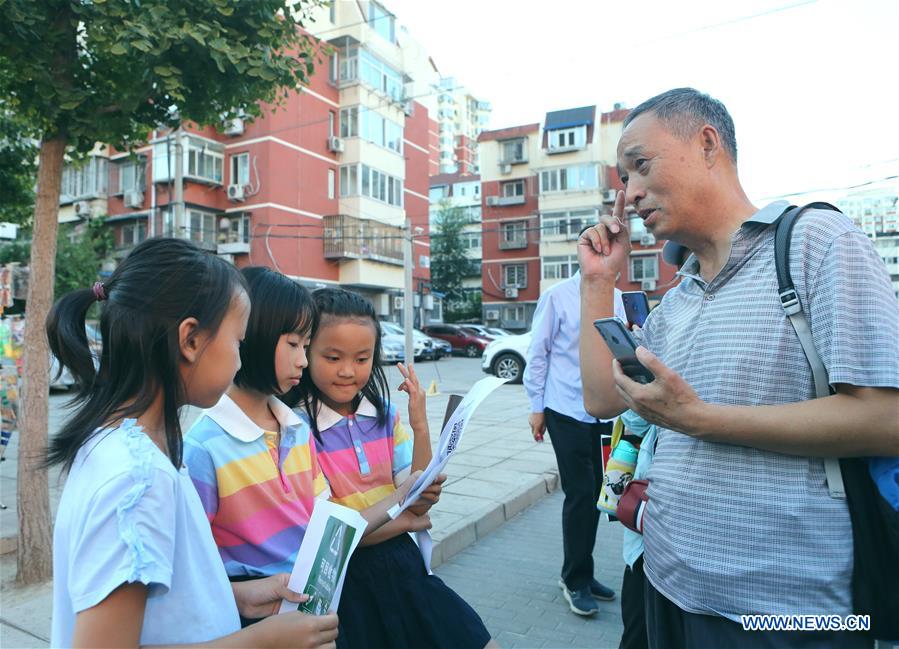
{"points": [[257, 493], [361, 459]]}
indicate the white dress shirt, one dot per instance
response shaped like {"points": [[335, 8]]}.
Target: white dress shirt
{"points": [[552, 376]]}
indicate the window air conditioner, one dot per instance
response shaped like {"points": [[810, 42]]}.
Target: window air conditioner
{"points": [[505, 168], [491, 314], [82, 208], [398, 302], [335, 144], [236, 193], [648, 285], [134, 199], [647, 240], [609, 195], [492, 201], [233, 126], [512, 293], [409, 107]]}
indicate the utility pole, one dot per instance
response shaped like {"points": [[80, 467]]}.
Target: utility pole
{"points": [[408, 296], [178, 220]]}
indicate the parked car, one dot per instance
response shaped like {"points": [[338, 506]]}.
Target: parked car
{"points": [[442, 347], [478, 330], [496, 332], [422, 345], [506, 357], [393, 348], [462, 341]]}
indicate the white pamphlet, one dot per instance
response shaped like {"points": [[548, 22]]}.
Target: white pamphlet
{"points": [[331, 537]]}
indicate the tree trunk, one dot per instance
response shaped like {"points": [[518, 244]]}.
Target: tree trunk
{"points": [[35, 543]]}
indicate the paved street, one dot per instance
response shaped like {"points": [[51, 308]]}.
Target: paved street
{"points": [[510, 578]]}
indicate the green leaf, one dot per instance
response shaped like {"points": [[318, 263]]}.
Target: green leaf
{"points": [[118, 49], [142, 45], [225, 11], [162, 71]]}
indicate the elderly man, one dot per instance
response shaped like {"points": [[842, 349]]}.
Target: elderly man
{"points": [[740, 519], [553, 382]]}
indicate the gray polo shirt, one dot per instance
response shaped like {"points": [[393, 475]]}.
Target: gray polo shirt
{"points": [[732, 530]]}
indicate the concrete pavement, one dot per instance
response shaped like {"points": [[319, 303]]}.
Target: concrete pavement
{"points": [[496, 473]]}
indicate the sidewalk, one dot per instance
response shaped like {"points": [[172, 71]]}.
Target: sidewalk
{"points": [[497, 472]]}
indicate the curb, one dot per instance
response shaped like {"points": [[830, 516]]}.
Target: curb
{"points": [[457, 536]]}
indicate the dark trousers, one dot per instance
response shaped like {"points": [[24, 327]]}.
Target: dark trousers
{"points": [[670, 627], [633, 611], [578, 450]]}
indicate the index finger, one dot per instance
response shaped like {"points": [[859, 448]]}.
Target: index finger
{"points": [[328, 621], [403, 370]]}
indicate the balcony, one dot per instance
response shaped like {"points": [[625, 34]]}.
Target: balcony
{"points": [[348, 237], [513, 244], [502, 201]]}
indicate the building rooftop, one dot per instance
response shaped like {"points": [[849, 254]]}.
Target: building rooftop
{"points": [[508, 133], [570, 117], [453, 178]]}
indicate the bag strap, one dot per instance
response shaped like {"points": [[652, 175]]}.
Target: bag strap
{"points": [[792, 306]]}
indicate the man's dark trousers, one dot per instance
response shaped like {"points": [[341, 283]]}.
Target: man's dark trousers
{"points": [[578, 449]]}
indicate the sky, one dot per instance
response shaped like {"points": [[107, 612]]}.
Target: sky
{"points": [[812, 85]]}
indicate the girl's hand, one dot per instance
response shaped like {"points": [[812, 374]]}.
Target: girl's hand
{"points": [[417, 410], [429, 497], [295, 629], [262, 597], [413, 523]]}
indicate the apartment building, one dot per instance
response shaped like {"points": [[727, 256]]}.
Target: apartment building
{"points": [[876, 211], [461, 117], [319, 189], [541, 184], [462, 191]]}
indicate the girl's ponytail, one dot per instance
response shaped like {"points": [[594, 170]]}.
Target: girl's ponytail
{"points": [[68, 338]]}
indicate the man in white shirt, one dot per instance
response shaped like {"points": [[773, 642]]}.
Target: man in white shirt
{"points": [[552, 378]]}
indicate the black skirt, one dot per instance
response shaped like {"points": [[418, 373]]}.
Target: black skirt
{"points": [[390, 601]]}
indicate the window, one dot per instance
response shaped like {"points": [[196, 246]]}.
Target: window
{"points": [[331, 119], [567, 138], [132, 176], [238, 229], [84, 180], [362, 66], [331, 179], [371, 126], [201, 227], [575, 178], [513, 151], [332, 11], [437, 192], [203, 160], [514, 233], [470, 240], [559, 267], [240, 169], [515, 276], [168, 223], [374, 184], [513, 188], [133, 232], [568, 223], [513, 313], [644, 267], [382, 22]]}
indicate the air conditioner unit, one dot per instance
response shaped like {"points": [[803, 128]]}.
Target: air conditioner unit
{"points": [[491, 314], [609, 195], [233, 126], [409, 107], [648, 285], [492, 201], [335, 144], [398, 302], [505, 168], [236, 193], [647, 240], [134, 199], [82, 208], [512, 293]]}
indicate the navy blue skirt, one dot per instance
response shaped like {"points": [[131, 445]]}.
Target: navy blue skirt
{"points": [[389, 600]]}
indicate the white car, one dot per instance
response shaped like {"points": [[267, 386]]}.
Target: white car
{"points": [[506, 357], [422, 345]]}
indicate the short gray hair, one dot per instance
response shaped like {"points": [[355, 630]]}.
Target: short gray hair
{"points": [[685, 111]]}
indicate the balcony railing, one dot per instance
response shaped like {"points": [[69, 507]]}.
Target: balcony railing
{"points": [[348, 237], [513, 244]]}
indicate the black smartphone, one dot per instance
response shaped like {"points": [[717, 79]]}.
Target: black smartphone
{"points": [[623, 348], [636, 307]]}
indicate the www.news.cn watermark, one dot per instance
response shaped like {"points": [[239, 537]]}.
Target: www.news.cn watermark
{"points": [[806, 622]]}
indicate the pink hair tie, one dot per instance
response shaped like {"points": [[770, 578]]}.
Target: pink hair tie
{"points": [[99, 291]]}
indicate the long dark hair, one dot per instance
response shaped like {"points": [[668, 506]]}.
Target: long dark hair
{"points": [[339, 304], [161, 283], [279, 306]]}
